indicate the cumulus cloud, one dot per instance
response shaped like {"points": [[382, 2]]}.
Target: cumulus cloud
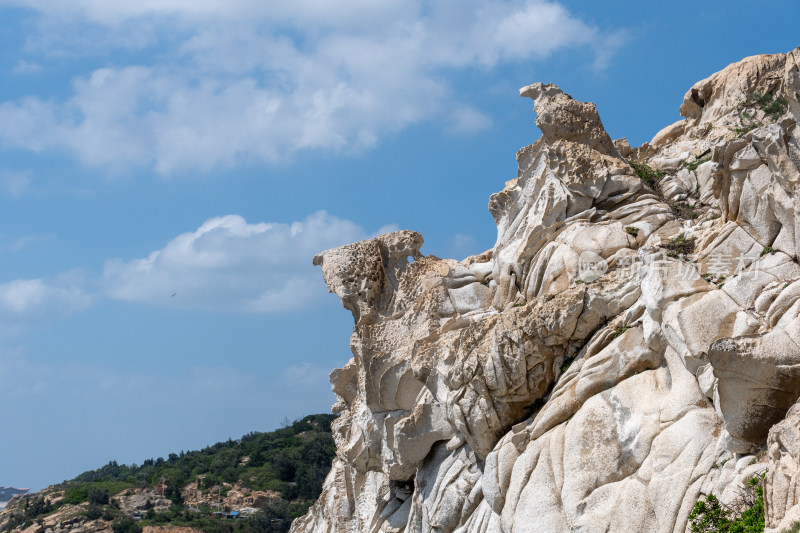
{"points": [[228, 264], [242, 80]]}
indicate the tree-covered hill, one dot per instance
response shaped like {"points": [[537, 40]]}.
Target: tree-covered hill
{"points": [[291, 462]]}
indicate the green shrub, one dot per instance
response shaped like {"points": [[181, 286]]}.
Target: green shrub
{"points": [[766, 250], [696, 163], [773, 107], [648, 175], [683, 210], [680, 245], [126, 525], [744, 130], [710, 515], [94, 511], [76, 495], [98, 496]]}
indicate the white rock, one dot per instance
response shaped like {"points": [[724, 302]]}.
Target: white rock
{"points": [[576, 377]]}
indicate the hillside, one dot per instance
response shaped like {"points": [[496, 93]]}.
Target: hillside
{"points": [[267, 478], [6, 493]]}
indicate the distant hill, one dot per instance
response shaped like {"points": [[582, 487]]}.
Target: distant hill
{"points": [[6, 493], [259, 482]]}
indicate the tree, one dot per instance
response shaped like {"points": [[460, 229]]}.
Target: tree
{"points": [[98, 496]]}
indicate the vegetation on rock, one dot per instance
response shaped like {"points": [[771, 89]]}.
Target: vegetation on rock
{"points": [[709, 515], [680, 245], [649, 176]]}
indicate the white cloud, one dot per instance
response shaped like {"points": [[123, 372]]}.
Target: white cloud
{"points": [[243, 80], [228, 264], [32, 299], [467, 121]]}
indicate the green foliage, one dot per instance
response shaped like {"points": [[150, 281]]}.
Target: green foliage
{"points": [[98, 491], [76, 495], [619, 331], [696, 163], [274, 517], [630, 230], [293, 460], [680, 245], [98, 496], [767, 250], [773, 107], [126, 525], [683, 210], [710, 515], [652, 178], [566, 364], [648, 175], [721, 464], [29, 511], [94, 511], [744, 130]]}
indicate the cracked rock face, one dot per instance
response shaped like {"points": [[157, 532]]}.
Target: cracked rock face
{"points": [[630, 344]]}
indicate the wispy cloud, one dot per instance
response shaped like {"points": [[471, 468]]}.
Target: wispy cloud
{"points": [[27, 241], [26, 67], [241, 80]]}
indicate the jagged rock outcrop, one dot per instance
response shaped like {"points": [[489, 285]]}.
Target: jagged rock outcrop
{"points": [[629, 344]]}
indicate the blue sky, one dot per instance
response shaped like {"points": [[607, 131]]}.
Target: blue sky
{"points": [[169, 167]]}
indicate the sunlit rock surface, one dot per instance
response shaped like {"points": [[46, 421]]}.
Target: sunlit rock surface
{"points": [[630, 344]]}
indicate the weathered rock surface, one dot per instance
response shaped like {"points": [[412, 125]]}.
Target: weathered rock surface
{"points": [[629, 343]]}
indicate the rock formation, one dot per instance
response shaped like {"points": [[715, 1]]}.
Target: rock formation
{"points": [[629, 345]]}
